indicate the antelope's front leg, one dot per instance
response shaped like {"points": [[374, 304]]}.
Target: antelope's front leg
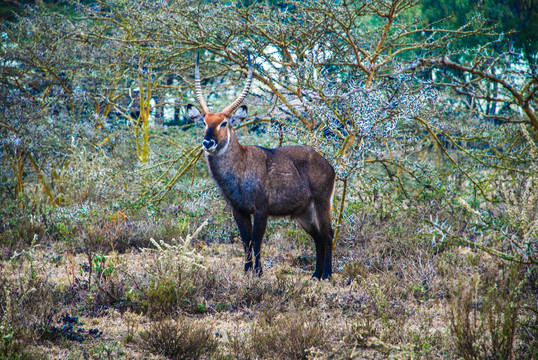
{"points": [[260, 223], [245, 229]]}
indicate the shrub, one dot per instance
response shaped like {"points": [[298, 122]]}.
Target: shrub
{"points": [[181, 339], [11, 347], [25, 306], [483, 317], [175, 272], [290, 336]]}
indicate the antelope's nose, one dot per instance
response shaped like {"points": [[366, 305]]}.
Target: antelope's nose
{"points": [[208, 144]]}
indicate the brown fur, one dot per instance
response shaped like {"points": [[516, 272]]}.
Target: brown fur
{"points": [[256, 182]]}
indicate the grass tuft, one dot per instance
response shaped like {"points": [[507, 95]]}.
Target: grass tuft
{"points": [[179, 340]]}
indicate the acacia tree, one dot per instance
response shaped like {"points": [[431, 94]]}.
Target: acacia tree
{"points": [[494, 148], [340, 76], [40, 101], [366, 83], [71, 78], [360, 81]]}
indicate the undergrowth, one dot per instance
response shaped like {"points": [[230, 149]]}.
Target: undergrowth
{"points": [[126, 278]]}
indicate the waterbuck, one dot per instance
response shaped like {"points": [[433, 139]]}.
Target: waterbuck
{"points": [[257, 182]]}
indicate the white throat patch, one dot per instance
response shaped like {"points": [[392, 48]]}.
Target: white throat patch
{"points": [[228, 136]]}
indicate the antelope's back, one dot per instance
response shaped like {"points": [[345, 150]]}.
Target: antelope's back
{"points": [[295, 176], [310, 164]]}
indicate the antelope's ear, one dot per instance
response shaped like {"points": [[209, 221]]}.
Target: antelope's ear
{"points": [[239, 115], [194, 114]]}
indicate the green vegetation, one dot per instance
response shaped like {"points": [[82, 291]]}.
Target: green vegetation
{"points": [[115, 242]]}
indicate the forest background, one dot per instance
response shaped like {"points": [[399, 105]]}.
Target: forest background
{"points": [[115, 242]]}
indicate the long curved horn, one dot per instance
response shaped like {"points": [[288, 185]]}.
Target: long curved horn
{"points": [[228, 110], [198, 87]]}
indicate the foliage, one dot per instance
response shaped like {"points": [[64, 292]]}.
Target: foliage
{"points": [[340, 77], [511, 236], [517, 18]]}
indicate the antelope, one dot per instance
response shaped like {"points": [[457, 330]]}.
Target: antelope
{"points": [[257, 182]]}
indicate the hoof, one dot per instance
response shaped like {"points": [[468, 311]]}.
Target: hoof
{"points": [[326, 276], [259, 271]]}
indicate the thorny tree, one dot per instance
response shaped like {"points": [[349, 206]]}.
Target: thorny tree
{"points": [[367, 83]]}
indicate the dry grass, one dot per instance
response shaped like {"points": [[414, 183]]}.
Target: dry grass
{"points": [[180, 339], [393, 294]]}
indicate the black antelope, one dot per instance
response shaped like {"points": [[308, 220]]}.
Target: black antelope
{"points": [[291, 181]]}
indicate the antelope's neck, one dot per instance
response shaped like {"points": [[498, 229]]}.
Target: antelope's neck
{"points": [[226, 166]]}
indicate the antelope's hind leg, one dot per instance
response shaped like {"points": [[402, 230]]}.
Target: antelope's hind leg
{"points": [[309, 223], [324, 252], [327, 241], [326, 235]]}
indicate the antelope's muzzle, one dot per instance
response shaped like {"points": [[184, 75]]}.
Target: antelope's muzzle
{"points": [[209, 145]]}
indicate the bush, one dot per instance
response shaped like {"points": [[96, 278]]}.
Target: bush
{"points": [[483, 317], [289, 336], [25, 307], [182, 339]]}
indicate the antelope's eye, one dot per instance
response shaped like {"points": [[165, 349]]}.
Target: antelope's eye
{"points": [[224, 123]]}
